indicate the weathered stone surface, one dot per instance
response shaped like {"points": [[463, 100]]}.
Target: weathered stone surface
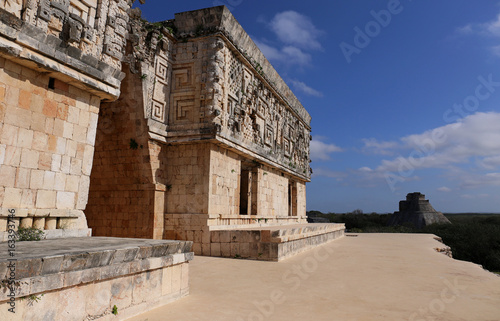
{"points": [[417, 211]]}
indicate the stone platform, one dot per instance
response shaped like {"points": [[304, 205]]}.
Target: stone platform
{"points": [[54, 279], [271, 243]]}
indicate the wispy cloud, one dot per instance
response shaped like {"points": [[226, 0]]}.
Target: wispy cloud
{"points": [[296, 29], [321, 150], [296, 38], [444, 189], [324, 172], [490, 29], [302, 87], [286, 55], [472, 143], [373, 146]]}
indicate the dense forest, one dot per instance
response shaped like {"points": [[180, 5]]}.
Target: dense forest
{"points": [[471, 237]]}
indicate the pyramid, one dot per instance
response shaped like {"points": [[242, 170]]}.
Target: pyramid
{"points": [[418, 211]]}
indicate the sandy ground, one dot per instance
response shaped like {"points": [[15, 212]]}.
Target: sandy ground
{"points": [[368, 277]]}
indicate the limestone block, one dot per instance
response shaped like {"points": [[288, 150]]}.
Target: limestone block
{"points": [[8, 175], [66, 164], [215, 249], [3, 147], [29, 158], [60, 182], [71, 147], [225, 249], [73, 115], [166, 281], [58, 129], [12, 156], [12, 197], [12, 96], [76, 166], [80, 134], [13, 6], [176, 278], [68, 130], [205, 249], [65, 200], [101, 298], [45, 161], [28, 198], [3, 224], [25, 138], [46, 199], [146, 286], [49, 108], [9, 135], [40, 141], [61, 146], [84, 118], [49, 179], [83, 192], [55, 165], [26, 222], [92, 129], [39, 222], [185, 276], [121, 292], [72, 183], [36, 179], [37, 102]]}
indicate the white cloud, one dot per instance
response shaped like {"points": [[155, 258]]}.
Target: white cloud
{"points": [[467, 152], [475, 137], [493, 27], [373, 146], [466, 30], [492, 162], [490, 29], [444, 189], [323, 172], [286, 55], [300, 86], [481, 180], [296, 29], [296, 38], [321, 150]]}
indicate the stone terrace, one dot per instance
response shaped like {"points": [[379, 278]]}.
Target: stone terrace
{"points": [[369, 277], [133, 274], [271, 243]]}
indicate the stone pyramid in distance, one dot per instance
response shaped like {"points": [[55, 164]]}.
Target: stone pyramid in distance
{"points": [[418, 211]]}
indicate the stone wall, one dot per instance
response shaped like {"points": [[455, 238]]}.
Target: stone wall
{"points": [[225, 175], [58, 61], [273, 192], [84, 278], [46, 148], [122, 184], [187, 178]]}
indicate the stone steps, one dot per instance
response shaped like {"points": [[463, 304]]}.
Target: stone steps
{"points": [[272, 243]]}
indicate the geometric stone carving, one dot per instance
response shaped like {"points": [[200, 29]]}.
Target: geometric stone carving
{"points": [[184, 109], [183, 77], [13, 6], [158, 111], [161, 70], [269, 136], [287, 147]]}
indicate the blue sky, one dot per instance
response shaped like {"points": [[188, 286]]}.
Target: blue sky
{"points": [[404, 95]]}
